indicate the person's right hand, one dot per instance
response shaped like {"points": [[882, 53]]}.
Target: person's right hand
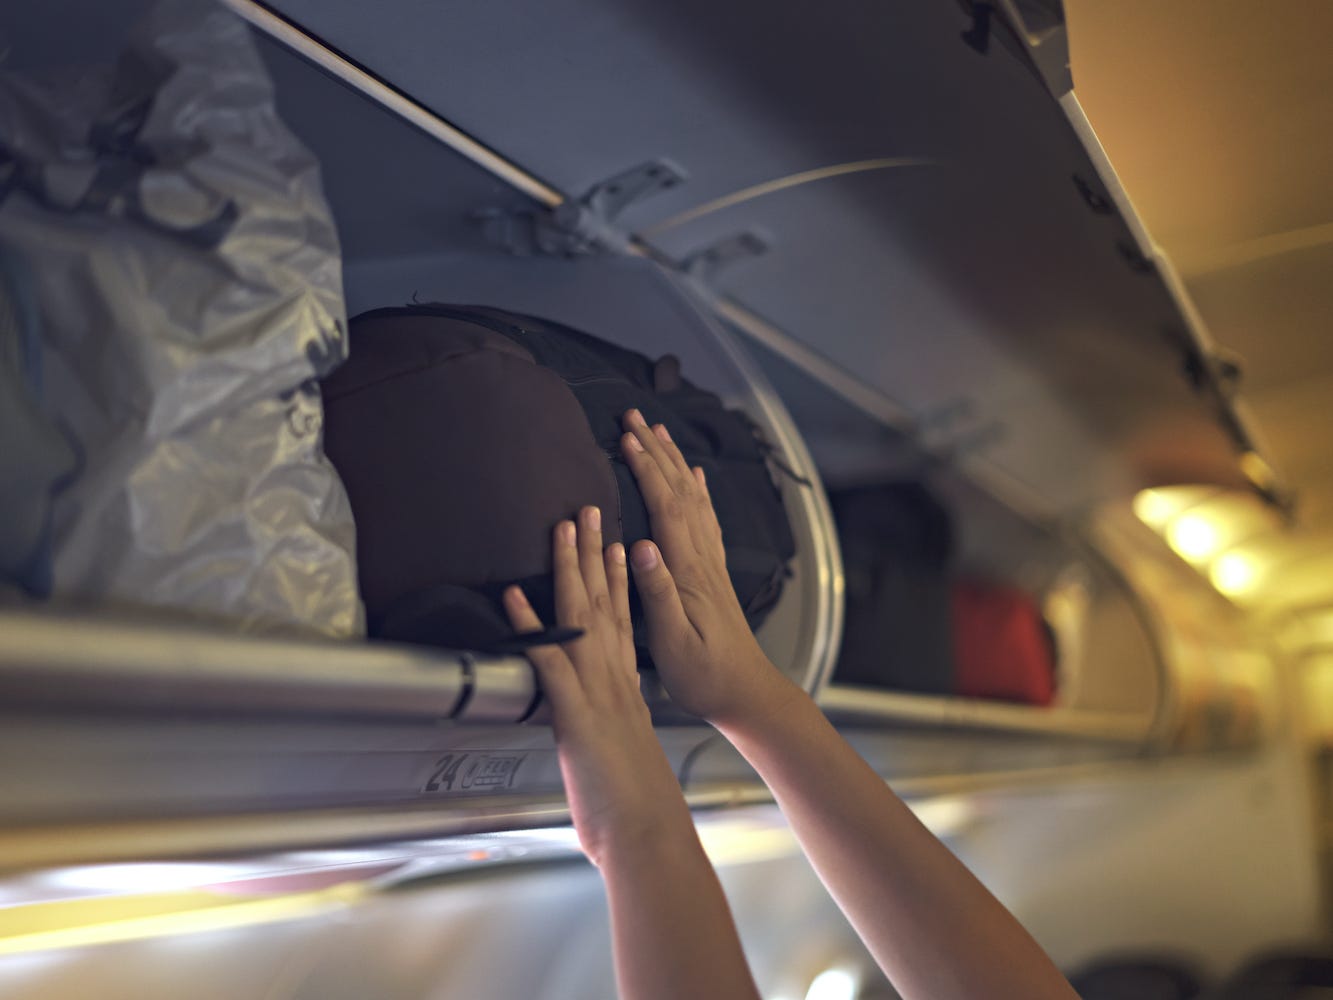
{"points": [[702, 645]]}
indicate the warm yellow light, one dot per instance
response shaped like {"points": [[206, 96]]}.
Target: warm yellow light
{"points": [[1234, 574], [82, 922], [1193, 537], [1154, 508]]}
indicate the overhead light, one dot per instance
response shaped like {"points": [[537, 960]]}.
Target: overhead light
{"points": [[1234, 573], [1158, 506], [832, 984], [1193, 537], [1154, 508], [85, 922]]}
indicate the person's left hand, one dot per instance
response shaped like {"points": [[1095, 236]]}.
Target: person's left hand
{"points": [[622, 792]]}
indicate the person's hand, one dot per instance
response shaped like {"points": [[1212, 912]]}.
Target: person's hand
{"points": [[702, 645], [621, 789]]}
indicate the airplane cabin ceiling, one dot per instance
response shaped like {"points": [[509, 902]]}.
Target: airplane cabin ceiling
{"points": [[1218, 117]]}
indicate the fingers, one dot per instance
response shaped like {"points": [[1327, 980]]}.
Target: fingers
{"points": [[591, 560], [709, 516], [677, 495], [666, 489], [665, 508], [584, 598], [617, 581], [552, 665], [571, 596], [658, 444], [657, 590], [670, 451]]}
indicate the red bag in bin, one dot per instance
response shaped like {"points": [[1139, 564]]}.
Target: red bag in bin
{"points": [[1003, 649]]}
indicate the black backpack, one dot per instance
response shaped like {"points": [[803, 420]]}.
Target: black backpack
{"points": [[897, 541], [463, 433]]}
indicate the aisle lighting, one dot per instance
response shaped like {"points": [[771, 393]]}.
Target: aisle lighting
{"points": [[1215, 530], [1194, 537], [1154, 508], [1234, 573]]}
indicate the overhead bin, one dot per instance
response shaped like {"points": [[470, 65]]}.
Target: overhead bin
{"points": [[398, 747], [982, 254], [392, 257]]}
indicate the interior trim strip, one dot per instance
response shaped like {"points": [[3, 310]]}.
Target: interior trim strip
{"points": [[400, 104], [868, 706]]}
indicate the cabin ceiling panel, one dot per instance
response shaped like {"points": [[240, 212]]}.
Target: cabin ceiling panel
{"points": [[1217, 118]]}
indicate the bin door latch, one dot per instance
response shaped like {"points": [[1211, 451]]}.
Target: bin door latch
{"points": [[582, 225]]}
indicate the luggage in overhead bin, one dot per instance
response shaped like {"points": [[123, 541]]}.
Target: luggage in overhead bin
{"points": [[896, 541], [182, 267], [1285, 975], [1003, 648], [1139, 978], [464, 434]]}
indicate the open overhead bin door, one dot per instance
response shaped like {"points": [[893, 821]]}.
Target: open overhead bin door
{"points": [[932, 233]]}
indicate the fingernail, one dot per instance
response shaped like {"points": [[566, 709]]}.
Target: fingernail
{"points": [[618, 553], [635, 417], [645, 557], [515, 595], [634, 443], [661, 431], [568, 534], [699, 471], [592, 519]]}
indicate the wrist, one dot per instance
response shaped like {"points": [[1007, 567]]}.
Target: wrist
{"points": [[668, 840], [769, 698]]}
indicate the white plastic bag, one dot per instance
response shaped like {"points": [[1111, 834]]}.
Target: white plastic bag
{"points": [[186, 270]]}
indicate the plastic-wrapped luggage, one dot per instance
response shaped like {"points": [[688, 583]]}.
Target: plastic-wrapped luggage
{"points": [[185, 270]]}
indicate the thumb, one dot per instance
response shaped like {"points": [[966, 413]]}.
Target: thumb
{"points": [[667, 621]]}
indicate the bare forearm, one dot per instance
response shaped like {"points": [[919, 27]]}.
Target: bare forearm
{"points": [[933, 928], [672, 931]]}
